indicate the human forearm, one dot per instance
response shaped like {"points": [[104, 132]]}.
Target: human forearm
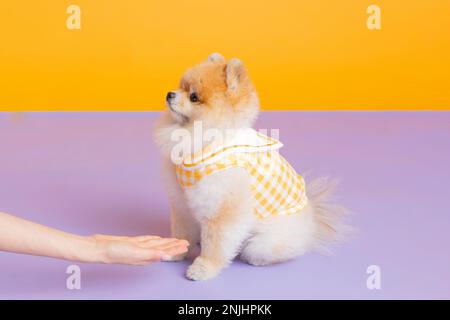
{"points": [[22, 236]]}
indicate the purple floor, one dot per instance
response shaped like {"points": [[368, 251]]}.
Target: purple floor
{"points": [[98, 173]]}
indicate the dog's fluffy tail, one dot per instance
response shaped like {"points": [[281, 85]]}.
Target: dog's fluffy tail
{"points": [[329, 217]]}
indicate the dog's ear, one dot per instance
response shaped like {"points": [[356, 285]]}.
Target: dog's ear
{"points": [[236, 74], [216, 57]]}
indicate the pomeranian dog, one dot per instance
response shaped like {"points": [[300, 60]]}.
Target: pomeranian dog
{"points": [[231, 191]]}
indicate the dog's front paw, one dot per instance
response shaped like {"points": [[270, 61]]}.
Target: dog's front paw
{"points": [[201, 270]]}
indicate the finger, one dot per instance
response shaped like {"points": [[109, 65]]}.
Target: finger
{"points": [[147, 262], [126, 238], [158, 242], [184, 242], [169, 246], [175, 251], [144, 238], [111, 237], [169, 254], [149, 241], [149, 255], [160, 256]]}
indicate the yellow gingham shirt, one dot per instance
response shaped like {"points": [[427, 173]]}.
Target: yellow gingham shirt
{"points": [[276, 187]]}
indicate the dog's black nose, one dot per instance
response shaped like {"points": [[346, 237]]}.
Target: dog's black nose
{"points": [[170, 95]]}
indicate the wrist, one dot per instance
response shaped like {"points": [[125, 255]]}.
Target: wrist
{"points": [[99, 249], [90, 250]]}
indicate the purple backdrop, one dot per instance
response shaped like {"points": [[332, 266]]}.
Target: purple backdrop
{"points": [[98, 173]]}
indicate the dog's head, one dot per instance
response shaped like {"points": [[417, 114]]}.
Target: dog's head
{"points": [[217, 92]]}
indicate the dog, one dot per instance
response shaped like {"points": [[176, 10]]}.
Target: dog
{"points": [[236, 196]]}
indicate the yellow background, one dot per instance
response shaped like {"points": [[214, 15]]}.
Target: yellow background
{"points": [[315, 54]]}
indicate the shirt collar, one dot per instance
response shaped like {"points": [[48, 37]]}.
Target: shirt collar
{"points": [[240, 141]]}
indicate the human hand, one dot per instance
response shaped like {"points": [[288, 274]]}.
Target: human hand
{"points": [[140, 250]]}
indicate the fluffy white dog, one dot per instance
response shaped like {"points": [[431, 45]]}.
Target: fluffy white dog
{"points": [[236, 195]]}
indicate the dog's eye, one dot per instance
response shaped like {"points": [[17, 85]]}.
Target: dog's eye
{"points": [[193, 97]]}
